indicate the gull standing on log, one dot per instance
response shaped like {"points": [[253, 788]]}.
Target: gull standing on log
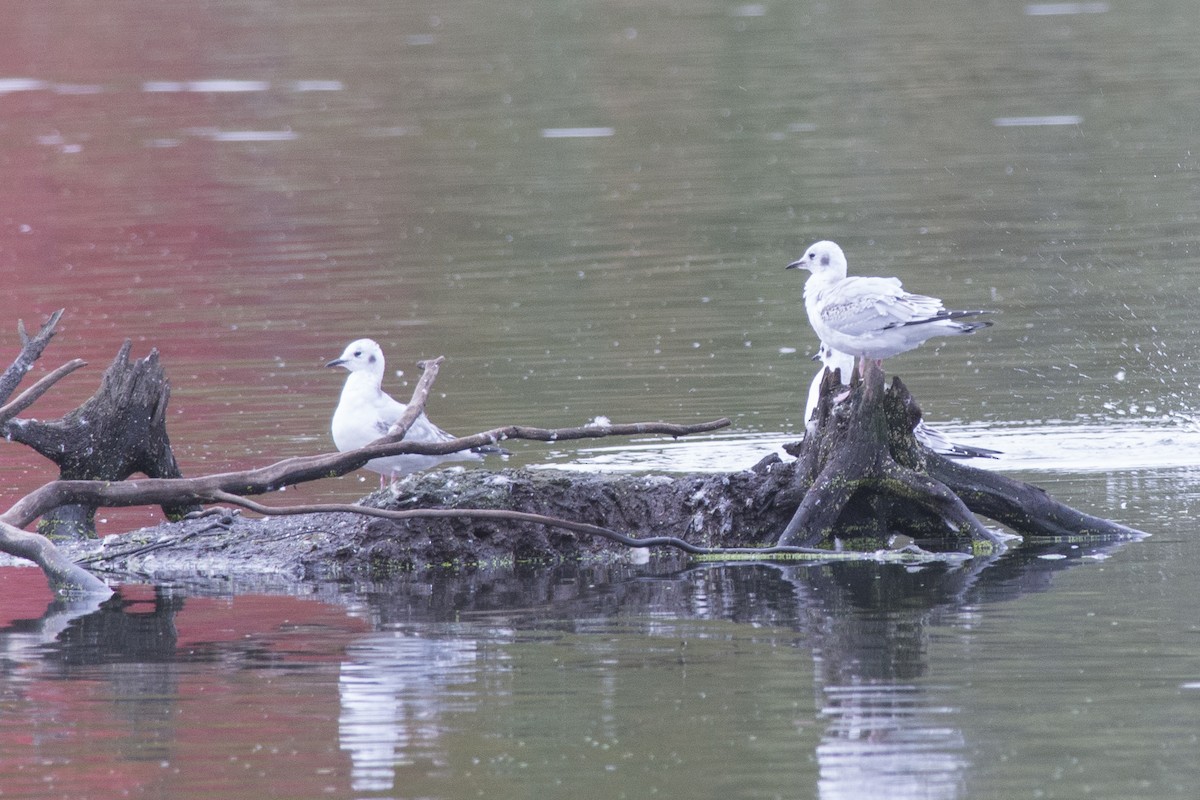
{"points": [[365, 413], [867, 317]]}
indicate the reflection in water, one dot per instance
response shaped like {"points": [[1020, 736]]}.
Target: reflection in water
{"points": [[495, 682], [887, 741], [586, 207], [887, 734], [868, 627], [133, 643], [122, 630], [394, 688], [23, 643], [580, 655]]}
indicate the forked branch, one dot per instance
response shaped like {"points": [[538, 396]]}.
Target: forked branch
{"points": [[31, 350]]}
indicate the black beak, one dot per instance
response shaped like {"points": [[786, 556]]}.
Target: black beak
{"points": [[796, 265], [337, 362]]}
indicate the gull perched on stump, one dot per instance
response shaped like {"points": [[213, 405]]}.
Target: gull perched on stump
{"points": [[365, 413], [934, 439], [869, 317]]}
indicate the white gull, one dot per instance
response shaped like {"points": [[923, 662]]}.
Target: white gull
{"points": [[365, 413], [868, 317], [935, 440]]}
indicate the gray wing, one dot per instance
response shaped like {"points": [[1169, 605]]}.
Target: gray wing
{"points": [[858, 306], [388, 411], [423, 430]]}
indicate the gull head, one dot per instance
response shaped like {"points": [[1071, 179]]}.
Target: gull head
{"points": [[361, 355], [822, 258]]}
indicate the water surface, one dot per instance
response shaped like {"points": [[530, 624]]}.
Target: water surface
{"points": [[587, 209]]}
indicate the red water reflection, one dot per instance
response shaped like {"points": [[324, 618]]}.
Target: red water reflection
{"points": [[154, 693], [147, 193], [24, 592]]}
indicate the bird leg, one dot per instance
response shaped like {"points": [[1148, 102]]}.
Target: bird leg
{"points": [[862, 364]]}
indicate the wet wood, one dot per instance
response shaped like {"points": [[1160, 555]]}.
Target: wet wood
{"points": [[863, 475], [1020, 506], [119, 431], [859, 479]]}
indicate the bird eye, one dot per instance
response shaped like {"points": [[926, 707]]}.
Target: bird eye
{"points": [[358, 353]]}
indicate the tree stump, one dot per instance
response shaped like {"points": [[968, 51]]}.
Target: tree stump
{"points": [[118, 431], [865, 478]]}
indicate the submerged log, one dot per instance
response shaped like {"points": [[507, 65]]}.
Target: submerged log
{"points": [[860, 479], [1020, 506], [119, 431]]}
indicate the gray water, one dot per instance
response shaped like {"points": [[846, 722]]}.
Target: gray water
{"points": [[587, 207]]}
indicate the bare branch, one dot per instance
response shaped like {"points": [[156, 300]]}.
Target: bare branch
{"points": [[301, 469], [64, 575], [556, 435], [417, 403], [205, 489], [31, 351], [28, 397]]}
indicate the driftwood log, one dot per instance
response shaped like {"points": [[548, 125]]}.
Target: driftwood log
{"points": [[860, 482]]}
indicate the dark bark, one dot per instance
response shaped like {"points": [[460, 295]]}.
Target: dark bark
{"points": [[119, 431], [864, 476], [1020, 506], [737, 510]]}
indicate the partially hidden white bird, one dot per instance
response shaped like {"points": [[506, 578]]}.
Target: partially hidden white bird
{"points": [[935, 440], [869, 317], [365, 413]]}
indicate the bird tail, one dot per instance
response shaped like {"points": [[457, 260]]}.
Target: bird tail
{"points": [[953, 316], [957, 450], [973, 325], [940, 443]]}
